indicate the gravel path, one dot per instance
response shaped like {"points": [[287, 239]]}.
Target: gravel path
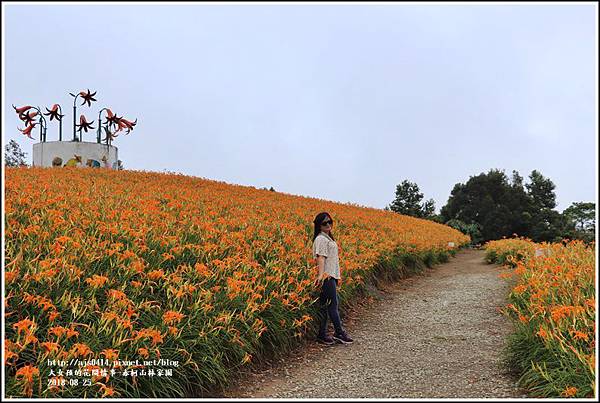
{"points": [[434, 335]]}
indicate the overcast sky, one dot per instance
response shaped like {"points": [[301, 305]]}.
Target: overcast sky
{"points": [[340, 102]]}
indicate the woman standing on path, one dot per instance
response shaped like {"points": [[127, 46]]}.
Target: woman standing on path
{"points": [[325, 250]]}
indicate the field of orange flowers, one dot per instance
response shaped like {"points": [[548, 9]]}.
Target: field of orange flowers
{"points": [[192, 278], [553, 307]]}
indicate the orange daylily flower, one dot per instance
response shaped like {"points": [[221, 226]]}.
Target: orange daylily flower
{"points": [[110, 354], [171, 317], [24, 326], [50, 346], [26, 374]]}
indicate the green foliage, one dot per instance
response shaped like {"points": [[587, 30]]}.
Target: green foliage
{"points": [[469, 229], [501, 208], [546, 223], [408, 201], [548, 358], [489, 201], [541, 191], [13, 155], [491, 256], [581, 220], [555, 370], [506, 257], [437, 218]]}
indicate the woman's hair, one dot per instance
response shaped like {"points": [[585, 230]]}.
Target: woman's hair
{"points": [[318, 220]]}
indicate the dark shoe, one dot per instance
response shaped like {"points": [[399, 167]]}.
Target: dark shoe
{"points": [[343, 338], [327, 340]]}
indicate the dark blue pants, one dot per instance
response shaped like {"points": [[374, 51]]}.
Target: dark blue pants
{"points": [[328, 304]]}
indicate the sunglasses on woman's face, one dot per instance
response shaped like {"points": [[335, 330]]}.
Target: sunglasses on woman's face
{"points": [[327, 222]]}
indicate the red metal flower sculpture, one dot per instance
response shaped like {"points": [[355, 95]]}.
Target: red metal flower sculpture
{"points": [[112, 119], [83, 124], [28, 117], [125, 124], [87, 97], [110, 136], [54, 113], [27, 130], [22, 109], [114, 124]]}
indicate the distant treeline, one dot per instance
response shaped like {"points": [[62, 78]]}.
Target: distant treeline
{"points": [[491, 206]]}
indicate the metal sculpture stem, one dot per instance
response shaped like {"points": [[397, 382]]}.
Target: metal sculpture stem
{"points": [[60, 123], [43, 125], [74, 117], [109, 138], [100, 125]]}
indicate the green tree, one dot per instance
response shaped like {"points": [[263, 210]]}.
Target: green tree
{"points": [[437, 218], [546, 224], [520, 203], [408, 201], [501, 207], [582, 219], [541, 191], [13, 155], [490, 202], [428, 209]]}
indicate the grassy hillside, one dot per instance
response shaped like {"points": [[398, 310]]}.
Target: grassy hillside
{"points": [[126, 265]]}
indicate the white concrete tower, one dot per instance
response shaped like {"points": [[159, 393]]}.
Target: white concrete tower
{"points": [[75, 153]]}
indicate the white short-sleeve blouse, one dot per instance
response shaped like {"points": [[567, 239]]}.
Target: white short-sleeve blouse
{"points": [[325, 246]]}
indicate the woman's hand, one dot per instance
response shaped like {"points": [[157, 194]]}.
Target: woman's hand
{"points": [[321, 278]]}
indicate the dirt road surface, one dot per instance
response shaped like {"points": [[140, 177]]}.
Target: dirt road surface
{"points": [[437, 334]]}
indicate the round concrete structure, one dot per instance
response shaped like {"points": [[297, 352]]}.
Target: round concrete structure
{"points": [[74, 153]]}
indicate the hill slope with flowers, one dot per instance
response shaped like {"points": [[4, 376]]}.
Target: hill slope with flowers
{"points": [[126, 265], [553, 307]]}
